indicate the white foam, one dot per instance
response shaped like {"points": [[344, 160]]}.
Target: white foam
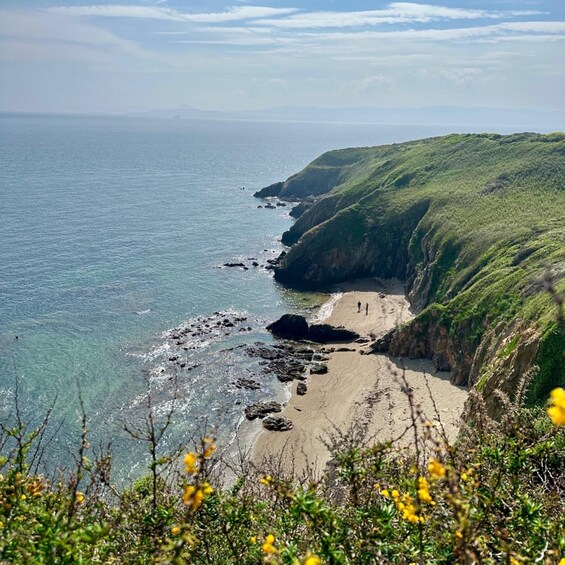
{"points": [[326, 309]]}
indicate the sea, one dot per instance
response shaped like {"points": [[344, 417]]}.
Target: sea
{"points": [[114, 233]]}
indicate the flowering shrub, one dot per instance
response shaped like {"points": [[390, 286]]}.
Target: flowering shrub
{"points": [[495, 496]]}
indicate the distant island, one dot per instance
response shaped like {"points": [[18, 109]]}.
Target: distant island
{"points": [[473, 225]]}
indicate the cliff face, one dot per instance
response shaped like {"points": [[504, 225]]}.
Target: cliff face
{"points": [[471, 223]]}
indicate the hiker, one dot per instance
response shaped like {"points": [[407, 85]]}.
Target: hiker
{"points": [[359, 306], [367, 309]]}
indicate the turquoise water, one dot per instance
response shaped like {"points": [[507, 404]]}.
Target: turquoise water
{"points": [[113, 232]]}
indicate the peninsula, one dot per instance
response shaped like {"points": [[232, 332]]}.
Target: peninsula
{"points": [[472, 224]]}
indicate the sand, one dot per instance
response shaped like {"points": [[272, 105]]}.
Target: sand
{"points": [[360, 389]]}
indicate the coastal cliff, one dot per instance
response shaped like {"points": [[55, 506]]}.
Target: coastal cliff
{"points": [[474, 226]]}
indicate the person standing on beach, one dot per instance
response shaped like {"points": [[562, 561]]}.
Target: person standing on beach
{"points": [[359, 306], [367, 309]]}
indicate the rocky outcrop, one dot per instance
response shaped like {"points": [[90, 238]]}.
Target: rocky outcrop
{"points": [[290, 326], [295, 327], [326, 333], [261, 409], [277, 424]]}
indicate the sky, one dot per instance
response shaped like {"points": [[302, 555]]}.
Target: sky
{"points": [[129, 56]]}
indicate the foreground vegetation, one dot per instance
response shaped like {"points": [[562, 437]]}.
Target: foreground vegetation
{"points": [[496, 496]]}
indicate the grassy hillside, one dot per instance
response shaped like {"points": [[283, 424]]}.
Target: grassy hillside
{"points": [[475, 226]]}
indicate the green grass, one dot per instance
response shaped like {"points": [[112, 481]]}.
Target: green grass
{"points": [[475, 220]]}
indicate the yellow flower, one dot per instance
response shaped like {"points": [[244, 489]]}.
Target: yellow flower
{"points": [[209, 447], [188, 493], [268, 547], [79, 497], [557, 411], [266, 480], [191, 463], [562, 561], [23, 497], [458, 534], [175, 530], [312, 559], [206, 489], [436, 469], [385, 493], [424, 491], [395, 494], [253, 540]]}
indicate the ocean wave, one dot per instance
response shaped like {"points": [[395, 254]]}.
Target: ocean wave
{"points": [[326, 309]]}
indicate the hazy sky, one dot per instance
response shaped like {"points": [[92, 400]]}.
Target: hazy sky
{"points": [[75, 56]]}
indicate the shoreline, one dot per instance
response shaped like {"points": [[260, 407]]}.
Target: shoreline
{"points": [[360, 392]]}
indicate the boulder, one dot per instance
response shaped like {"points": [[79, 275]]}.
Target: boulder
{"points": [[261, 409], [277, 424], [290, 326], [326, 333], [319, 369], [301, 389]]}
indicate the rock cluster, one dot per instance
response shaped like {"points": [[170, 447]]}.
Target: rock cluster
{"points": [[295, 327], [261, 409], [277, 424]]}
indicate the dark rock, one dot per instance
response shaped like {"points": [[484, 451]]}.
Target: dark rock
{"points": [[299, 209], [281, 204], [261, 409], [173, 358], [268, 353], [248, 384], [234, 265], [255, 264], [325, 333], [301, 389], [344, 349], [290, 326], [277, 424], [269, 205], [319, 369], [271, 190], [382, 344], [362, 340]]}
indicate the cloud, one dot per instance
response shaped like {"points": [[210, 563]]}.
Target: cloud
{"points": [[450, 34], [395, 13], [161, 13], [48, 34], [372, 83], [460, 76]]}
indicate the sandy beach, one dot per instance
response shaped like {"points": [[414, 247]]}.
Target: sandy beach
{"points": [[365, 390]]}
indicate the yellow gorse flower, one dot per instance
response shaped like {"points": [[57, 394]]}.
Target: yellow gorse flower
{"points": [[269, 547], [191, 463], [79, 497], [557, 409], [193, 496], [424, 491], [175, 530], [436, 469], [266, 480], [312, 559]]}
